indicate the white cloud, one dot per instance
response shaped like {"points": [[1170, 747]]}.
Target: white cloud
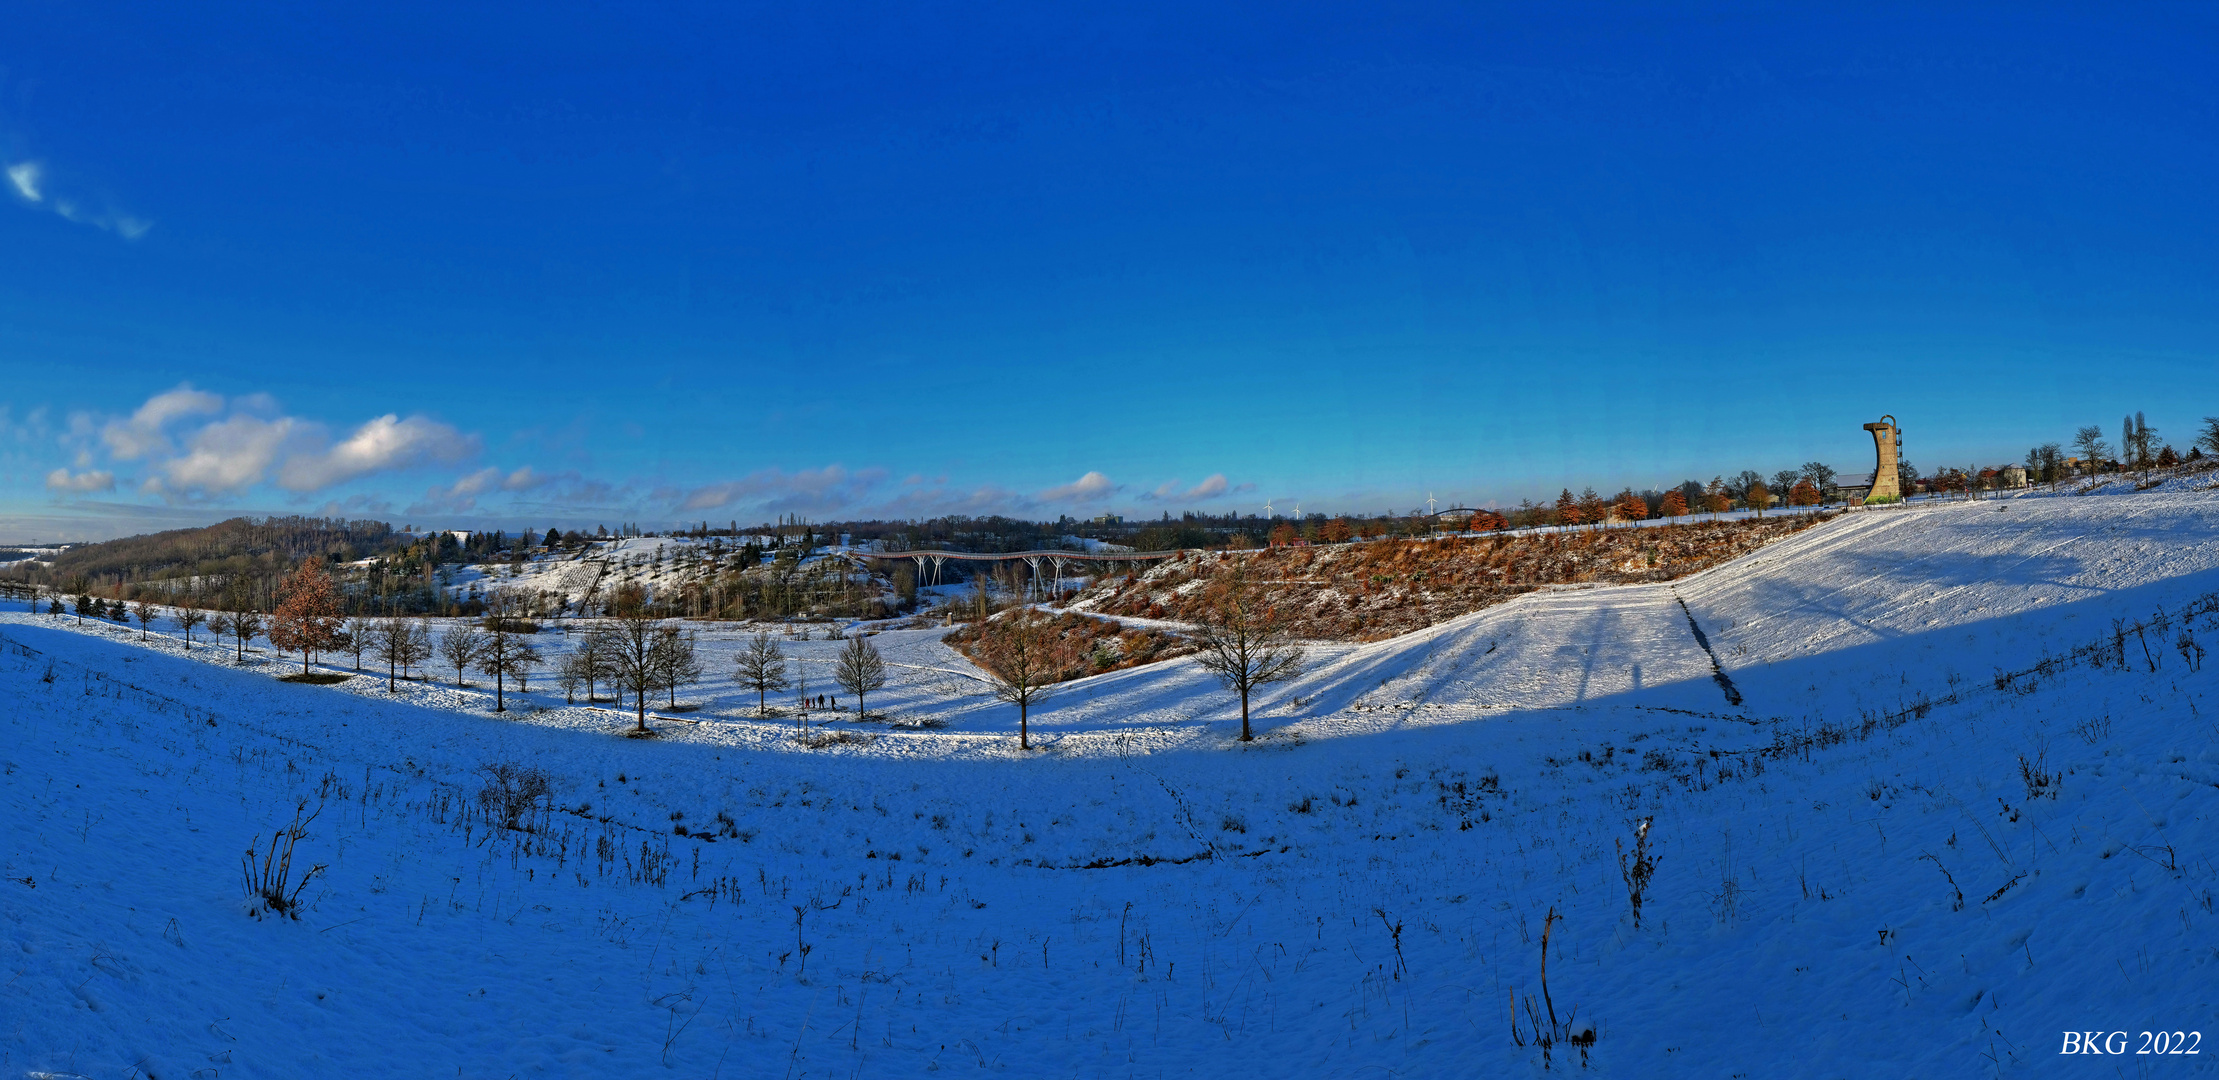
{"points": [[387, 442], [831, 488], [462, 495], [1093, 487], [29, 180], [256, 443], [227, 457], [25, 177], [143, 434], [477, 483], [1211, 488], [62, 482]]}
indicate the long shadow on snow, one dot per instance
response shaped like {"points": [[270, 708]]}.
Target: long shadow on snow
{"points": [[1885, 675]]}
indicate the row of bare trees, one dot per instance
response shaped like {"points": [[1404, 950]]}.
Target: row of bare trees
{"points": [[1246, 643]]}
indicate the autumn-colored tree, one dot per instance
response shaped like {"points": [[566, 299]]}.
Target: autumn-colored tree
{"points": [[1675, 504], [1337, 531], [1632, 507], [1804, 493], [307, 616], [1715, 498], [1592, 508], [1567, 509], [1757, 497], [1282, 534]]}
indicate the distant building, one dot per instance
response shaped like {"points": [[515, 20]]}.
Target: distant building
{"points": [[1853, 487], [1110, 519], [2014, 476]]}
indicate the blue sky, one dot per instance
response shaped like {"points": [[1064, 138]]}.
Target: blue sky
{"points": [[579, 265]]}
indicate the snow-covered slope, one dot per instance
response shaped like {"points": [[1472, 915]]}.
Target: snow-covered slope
{"points": [[1363, 891]]}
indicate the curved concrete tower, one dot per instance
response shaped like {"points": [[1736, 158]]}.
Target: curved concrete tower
{"points": [[1887, 445]]}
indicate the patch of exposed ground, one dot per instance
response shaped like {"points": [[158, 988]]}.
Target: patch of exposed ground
{"points": [[1080, 645], [1370, 590]]}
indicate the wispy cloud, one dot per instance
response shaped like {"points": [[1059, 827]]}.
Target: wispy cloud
{"points": [[831, 489], [143, 434], [462, 495], [64, 482], [1091, 488], [33, 427], [25, 176], [29, 180], [1213, 488]]}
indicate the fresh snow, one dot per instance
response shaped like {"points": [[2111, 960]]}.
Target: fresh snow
{"points": [[1360, 892]]}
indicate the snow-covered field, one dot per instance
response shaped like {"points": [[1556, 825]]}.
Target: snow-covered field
{"points": [[1854, 877]]}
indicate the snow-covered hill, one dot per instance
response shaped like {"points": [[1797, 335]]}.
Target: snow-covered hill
{"points": [[1902, 828]]}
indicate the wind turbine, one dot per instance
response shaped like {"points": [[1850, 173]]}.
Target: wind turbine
{"points": [[1267, 509]]}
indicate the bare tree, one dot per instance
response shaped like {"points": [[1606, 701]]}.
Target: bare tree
{"points": [[505, 657], [419, 648], [460, 647], [761, 668], [2089, 442], [571, 672], [596, 653], [244, 626], [508, 652], [190, 615], [360, 636], [1021, 655], [1245, 642], [632, 655], [391, 640], [143, 609], [860, 670], [677, 662], [1822, 477], [2208, 439]]}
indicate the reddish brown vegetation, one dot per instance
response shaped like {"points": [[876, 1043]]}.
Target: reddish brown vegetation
{"points": [[307, 619], [1374, 590], [1080, 645]]}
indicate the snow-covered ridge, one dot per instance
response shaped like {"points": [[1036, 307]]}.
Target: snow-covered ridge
{"points": [[1940, 891]]}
